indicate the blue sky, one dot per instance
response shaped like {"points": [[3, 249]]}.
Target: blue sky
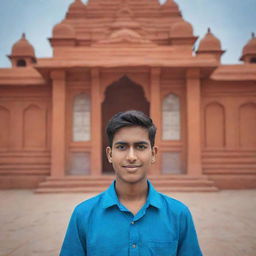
{"points": [[232, 21]]}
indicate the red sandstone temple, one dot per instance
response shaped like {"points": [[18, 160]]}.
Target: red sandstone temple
{"points": [[115, 55]]}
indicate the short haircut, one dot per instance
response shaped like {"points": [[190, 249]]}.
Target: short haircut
{"points": [[130, 118]]}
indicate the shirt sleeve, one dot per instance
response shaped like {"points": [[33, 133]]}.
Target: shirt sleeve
{"points": [[188, 243], [74, 243]]}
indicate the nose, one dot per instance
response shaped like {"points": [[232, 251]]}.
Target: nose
{"points": [[131, 155]]}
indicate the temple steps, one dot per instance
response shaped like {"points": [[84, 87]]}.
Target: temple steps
{"points": [[92, 184]]}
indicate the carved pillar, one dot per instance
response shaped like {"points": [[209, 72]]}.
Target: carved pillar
{"points": [[96, 163], [58, 123], [155, 110], [194, 166]]}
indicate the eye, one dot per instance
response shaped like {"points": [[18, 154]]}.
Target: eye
{"points": [[141, 146], [121, 147]]}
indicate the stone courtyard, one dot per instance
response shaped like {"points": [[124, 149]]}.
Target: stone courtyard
{"points": [[34, 224]]}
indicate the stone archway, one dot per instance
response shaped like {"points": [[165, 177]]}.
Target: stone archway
{"points": [[122, 95]]}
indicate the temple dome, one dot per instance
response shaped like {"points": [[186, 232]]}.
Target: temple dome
{"points": [[76, 10], [170, 3], [209, 43], [63, 30], [170, 8], [181, 29], [250, 47], [23, 48], [76, 5]]}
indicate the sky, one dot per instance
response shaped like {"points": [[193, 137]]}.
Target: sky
{"points": [[232, 21]]}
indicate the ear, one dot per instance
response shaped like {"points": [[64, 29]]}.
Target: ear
{"points": [[154, 154], [109, 154]]}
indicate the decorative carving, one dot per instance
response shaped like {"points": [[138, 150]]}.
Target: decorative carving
{"points": [[34, 120], [125, 36], [214, 125], [125, 29], [247, 125], [4, 127], [118, 76]]}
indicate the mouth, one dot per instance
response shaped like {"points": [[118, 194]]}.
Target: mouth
{"points": [[131, 168]]}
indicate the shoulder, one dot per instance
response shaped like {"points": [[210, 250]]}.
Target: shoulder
{"points": [[88, 205], [174, 205]]}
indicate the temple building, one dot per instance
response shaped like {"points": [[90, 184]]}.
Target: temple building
{"points": [[116, 55]]}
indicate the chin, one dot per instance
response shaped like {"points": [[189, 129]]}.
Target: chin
{"points": [[132, 179]]}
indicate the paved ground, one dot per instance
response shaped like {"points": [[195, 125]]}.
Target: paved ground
{"points": [[34, 225]]}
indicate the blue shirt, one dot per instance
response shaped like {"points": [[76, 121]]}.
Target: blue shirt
{"points": [[102, 226]]}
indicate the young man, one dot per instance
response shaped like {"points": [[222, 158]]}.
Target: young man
{"points": [[131, 217]]}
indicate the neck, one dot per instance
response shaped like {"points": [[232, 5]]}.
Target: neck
{"points": [[132, 191]]}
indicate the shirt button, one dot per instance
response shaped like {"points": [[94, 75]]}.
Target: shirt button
{"points": [[132, 222], [134, 246]]}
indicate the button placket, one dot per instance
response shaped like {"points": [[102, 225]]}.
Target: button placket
{"points": [[134, 239]]}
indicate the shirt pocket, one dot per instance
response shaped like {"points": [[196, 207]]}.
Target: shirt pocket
{"points": [[162, 248]]}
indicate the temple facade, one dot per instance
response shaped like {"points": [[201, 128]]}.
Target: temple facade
{"points": [[115, 55]]}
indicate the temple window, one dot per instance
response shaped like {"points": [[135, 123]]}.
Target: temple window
{"points": [[253, 60], [81, 118], [21, 63], [171, 117]]}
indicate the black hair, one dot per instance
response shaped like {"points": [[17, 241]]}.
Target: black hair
{"points": [[130, 118]]}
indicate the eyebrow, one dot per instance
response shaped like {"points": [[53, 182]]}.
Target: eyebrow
{"points": [[135, 143]]}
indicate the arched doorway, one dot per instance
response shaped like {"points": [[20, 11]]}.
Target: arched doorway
{"points": [[120, 96]]}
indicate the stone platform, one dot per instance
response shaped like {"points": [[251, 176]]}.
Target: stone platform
{"points": [[35, 224], [95, 184]]}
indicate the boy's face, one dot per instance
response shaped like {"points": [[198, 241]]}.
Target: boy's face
{"points": [[131, 154]]}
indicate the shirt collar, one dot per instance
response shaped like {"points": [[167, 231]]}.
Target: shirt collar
{"points": [[110, 197], [154, 197]]}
